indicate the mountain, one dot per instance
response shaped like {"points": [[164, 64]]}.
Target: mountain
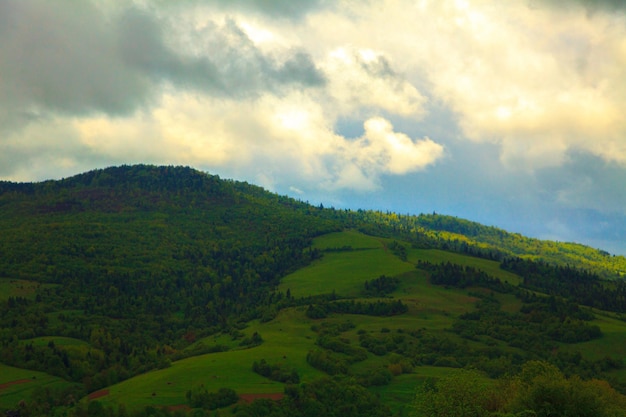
{"points": [[140, 286]]}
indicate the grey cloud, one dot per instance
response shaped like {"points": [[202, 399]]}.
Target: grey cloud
{"points": [[62, 59], [379, 67], [301, 69], [229, 63], [244, 69], [585, 182], [73, 59], [601, 230], [294, 9], [142, 46], [590, 5]]}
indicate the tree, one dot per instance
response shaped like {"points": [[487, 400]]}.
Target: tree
{"points": [[545, 391], [465, 394]]}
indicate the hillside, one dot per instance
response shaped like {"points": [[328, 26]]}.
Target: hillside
{"points": [[460, 235], [136, 288]]}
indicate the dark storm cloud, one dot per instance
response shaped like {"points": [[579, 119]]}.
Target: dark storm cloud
{"points": [[74, 59]]}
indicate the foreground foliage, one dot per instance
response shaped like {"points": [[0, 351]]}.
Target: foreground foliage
{"points": [[540, 389]]}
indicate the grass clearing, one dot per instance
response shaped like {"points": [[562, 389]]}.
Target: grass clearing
{"points": [[612, 343], [287, 339], [343, 272], [12, 394], [213, 340], [367, 258], [427, 301]]}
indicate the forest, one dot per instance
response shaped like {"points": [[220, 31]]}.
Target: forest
{"points": [[119, 275]]}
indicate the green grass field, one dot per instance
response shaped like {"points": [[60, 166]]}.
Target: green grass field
{"points": [[17, 384], [343, 272], [612, 343], [287, 339], [426, 301]]}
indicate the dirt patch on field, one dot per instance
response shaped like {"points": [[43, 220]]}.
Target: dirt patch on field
{"points": [[16, 382], [251, 397], [98, 394], [183, 407]]}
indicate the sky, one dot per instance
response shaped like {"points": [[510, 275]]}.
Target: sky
{"points": [[509, 113]]}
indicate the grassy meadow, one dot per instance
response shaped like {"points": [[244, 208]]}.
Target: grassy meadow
{"points": [[17, 384], [349, 259], [289, 337]]}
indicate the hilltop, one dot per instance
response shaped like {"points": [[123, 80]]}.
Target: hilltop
{"points": [[149, 286]]}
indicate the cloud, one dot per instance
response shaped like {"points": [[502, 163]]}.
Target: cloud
{"points": [[535, 80], [131, 83], [81, 60], [362, 79], [61, 59], [37, 153], [220, 58], [539, 89], [590, 5], [585, 182], [392, 152], [293, 9], [273, 141]]}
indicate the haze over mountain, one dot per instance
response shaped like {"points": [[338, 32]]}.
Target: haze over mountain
{"points": [[506, 113]]}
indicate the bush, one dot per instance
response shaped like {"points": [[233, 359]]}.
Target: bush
{"points": [[276, 372], [201, 398]]}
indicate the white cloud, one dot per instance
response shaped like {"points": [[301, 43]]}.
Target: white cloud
{"points": [[273, 141], [538, 81], [395, 153]]}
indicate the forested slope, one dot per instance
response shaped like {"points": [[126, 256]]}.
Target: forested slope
{"points": [[116, 274], [140, 256], [463, 234]]}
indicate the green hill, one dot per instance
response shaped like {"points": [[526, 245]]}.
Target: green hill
{"points": [[162, 290]]}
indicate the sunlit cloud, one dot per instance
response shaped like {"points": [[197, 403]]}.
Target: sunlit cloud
{"points": [[516, 75], [291, 135]]}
